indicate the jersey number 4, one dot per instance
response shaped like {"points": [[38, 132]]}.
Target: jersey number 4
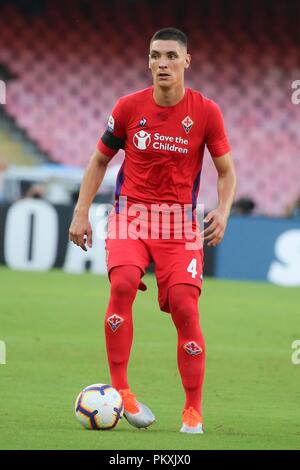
{"points": [[192, 268]]}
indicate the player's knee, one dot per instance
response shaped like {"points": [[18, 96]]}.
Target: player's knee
{"points": [[124, 283], [123, 289], [185, 315], [186, 311], [183, 300]]}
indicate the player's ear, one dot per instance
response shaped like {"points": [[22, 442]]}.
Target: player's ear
{"points": [[187, 61]]}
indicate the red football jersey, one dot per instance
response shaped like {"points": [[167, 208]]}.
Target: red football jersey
{"points": [[163, 145]]}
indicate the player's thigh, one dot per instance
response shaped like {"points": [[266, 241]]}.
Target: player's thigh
{"points": [[127, 252], [174, 264]]}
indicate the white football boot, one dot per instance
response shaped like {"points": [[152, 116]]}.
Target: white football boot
{"points": [[136, 413]]}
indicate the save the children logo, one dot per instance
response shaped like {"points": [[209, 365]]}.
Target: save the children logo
{"points": [[142, 140]]}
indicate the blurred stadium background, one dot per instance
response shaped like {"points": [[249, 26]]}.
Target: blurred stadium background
{"points": [[63, 65]]}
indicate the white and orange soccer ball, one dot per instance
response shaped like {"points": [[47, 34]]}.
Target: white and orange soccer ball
{"points": [[99, 406]]}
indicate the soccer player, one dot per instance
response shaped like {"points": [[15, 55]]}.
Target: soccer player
{"points": [[163, 129]]}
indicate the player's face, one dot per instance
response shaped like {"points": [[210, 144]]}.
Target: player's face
{"points": [[168, 61]]}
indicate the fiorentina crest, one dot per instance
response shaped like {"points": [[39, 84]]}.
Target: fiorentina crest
{"points": [[115, 321], [192, 348], [187, 124]]}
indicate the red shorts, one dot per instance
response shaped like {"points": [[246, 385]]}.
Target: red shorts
{"points": [[174, 263]]}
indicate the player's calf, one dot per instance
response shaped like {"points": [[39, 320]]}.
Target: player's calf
{"points": [[118, 322]]}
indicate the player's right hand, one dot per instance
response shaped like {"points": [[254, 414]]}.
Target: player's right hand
{"points": [[80, 231]]}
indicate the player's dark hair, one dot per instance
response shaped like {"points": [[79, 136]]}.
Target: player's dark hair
{"points": [[172, 34]]}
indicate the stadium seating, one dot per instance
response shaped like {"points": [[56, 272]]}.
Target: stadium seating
{"points": [[73, 61]]}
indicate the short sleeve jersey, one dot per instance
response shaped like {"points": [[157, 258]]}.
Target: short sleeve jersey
{"points": [[163, 146]]}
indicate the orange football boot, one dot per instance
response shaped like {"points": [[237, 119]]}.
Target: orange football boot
{"points": [[191, 421]]}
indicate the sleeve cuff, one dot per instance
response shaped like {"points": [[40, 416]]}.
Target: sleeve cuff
{"points": [[218, 150], [106, 150]]}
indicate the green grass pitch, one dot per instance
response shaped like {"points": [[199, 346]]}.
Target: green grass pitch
{"points": [[52, 326]]}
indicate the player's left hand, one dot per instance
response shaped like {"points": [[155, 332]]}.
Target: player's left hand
{"points": [[216, 229]]}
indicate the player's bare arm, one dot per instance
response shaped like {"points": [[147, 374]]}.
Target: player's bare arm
{"points": [[94, 174], [226, 191]]}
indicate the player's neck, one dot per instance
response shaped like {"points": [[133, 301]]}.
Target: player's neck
{"points": [[168, 96]]}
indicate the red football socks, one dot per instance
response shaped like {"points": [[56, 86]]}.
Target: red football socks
{"points": [[183, 300], [118, 322]]}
